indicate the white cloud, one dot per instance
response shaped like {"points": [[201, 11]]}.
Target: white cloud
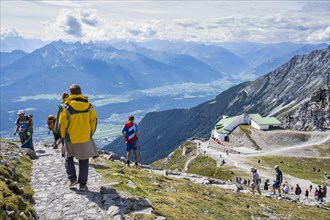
{"points": [[8, 32], [74, 24], [320, 35], [268, 22]]}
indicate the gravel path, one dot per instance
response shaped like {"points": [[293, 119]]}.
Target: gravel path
{"points": [[283, 151], [242, 161], [189, 161], [54, 199]]}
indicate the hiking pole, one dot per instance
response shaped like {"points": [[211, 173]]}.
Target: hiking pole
{"points": [[140, 155]]}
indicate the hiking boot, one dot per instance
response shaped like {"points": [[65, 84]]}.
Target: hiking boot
{"points": [[82, 187], [72, 183], [136, 164]]}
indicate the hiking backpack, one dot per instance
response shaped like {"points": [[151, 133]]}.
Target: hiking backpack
{"points": [[51, 122]]}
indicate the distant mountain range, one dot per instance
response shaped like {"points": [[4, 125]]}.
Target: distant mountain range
{"points": [[9, 58], [276, 93], [11, 43], [125, 77]]}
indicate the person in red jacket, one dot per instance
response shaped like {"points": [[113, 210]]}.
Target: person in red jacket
{"points": [[306, 194], [130, 133]]}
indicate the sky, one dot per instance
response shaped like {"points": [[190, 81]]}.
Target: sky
{"points": [[217, 21]]}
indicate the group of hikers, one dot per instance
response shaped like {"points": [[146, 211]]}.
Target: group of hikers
{"points": [[74, 127], [319, 193], [75, 124]]}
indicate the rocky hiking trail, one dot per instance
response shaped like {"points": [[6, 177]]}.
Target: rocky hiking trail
{"points": [[54, 199]]}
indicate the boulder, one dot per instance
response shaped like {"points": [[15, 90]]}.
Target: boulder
{"points": [[31, 154], [144, 203], [108, 190], [113, 210], [145, 211], [131, 184]]}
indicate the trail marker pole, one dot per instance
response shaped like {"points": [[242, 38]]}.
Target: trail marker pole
{"points": [[141, 163]]}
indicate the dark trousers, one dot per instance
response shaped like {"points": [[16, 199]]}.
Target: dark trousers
{"points": [[71, 170]]}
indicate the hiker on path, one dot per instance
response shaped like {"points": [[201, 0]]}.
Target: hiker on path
{"points": [[77, 123], [278, 180], [57, 126], [256, 181], [24, 120], [51, 125], [130, 133], [306, 194], [286, 188], [25, 136], [319, 193], [298, 190], [266, 184], [325, 191]]}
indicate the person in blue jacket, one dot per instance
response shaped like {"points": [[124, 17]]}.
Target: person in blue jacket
{"points": [[26, 137], [278, 180]]}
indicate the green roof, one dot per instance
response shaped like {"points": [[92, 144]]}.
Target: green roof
{"points": [[264, 120], [223, 123]]}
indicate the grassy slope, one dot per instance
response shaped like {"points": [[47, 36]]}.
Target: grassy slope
{"points": [[300, 167], [323, 149], [176, 161], [246, 129], [206, 166], [201, 165], [16, 197], [182, 199]]}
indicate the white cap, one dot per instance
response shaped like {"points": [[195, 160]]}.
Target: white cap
{"points": [[276, 167], [20, 112], [252, 169]]}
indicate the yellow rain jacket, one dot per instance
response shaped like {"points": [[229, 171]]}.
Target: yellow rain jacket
{"points": [[78, 120]]}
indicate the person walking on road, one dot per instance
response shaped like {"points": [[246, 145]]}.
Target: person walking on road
{"points": [[306, 194], [278, 180], [130, 133], [77, 125], [298, 190], [266, 184], [256, 181], [319, 193]]}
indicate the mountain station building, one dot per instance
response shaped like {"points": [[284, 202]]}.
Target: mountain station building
{"points": [[226, 125]]}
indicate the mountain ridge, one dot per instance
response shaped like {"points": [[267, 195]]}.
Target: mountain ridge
{"points": [[283, 88]]}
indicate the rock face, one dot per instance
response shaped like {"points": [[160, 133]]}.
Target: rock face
{"points": [[312, 114], [276, 93]]}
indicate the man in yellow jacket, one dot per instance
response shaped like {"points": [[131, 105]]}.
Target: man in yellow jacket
{"points": [[77, 124]]}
